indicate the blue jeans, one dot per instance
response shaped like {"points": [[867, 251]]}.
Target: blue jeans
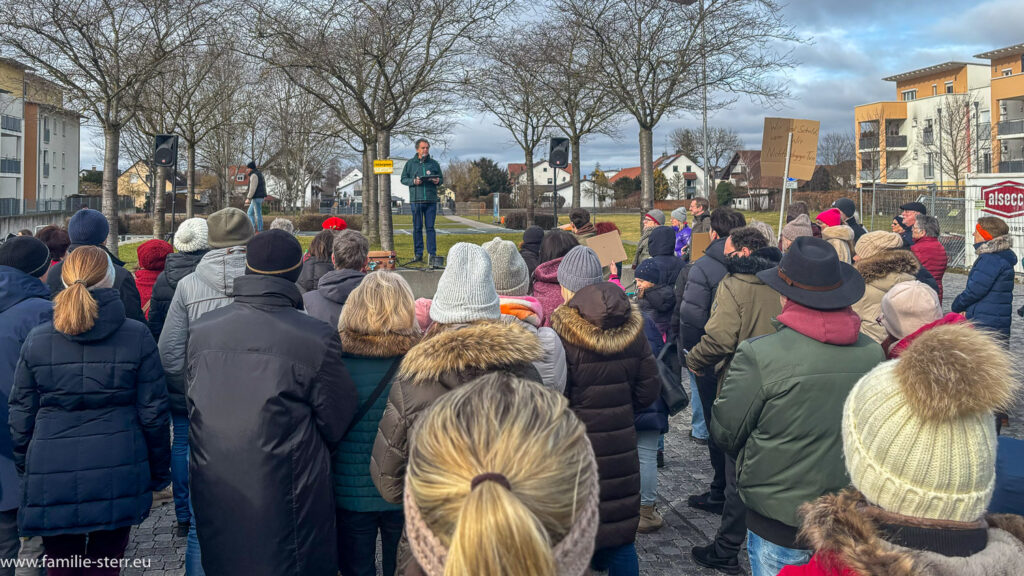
{"points": [[647, 449], [698, 424], [193, 558], [768, 559], [618, 561], [357, 541], [179, 468], [424, 214], [255, 213]]}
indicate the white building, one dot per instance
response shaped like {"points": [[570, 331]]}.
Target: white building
{"points": [[682, 173], [351, 184], [543, 174]]}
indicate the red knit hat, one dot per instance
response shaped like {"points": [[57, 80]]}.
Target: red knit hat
{"points": [[153, 254], [335, 223], [831, 217]]}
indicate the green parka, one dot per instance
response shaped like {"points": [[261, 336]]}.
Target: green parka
{"points": [[780, 409]]}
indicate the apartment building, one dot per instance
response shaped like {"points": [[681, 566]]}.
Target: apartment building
{"points": [[39, 142], [935, 132], [1007, 100]]}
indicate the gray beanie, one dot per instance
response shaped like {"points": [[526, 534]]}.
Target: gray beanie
{"points": [[229, 227], [800, 226], [656, 215], [511, 275], [680, 214], [579, 268], [465, 291]]}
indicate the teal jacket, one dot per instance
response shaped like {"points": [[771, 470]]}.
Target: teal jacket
{"points": [[427, 167], [350, 463]]}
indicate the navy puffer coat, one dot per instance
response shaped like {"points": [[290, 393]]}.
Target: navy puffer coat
{"points": [[24, 304], [988, 298], [90, 425]]}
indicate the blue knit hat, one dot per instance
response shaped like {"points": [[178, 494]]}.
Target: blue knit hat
{"points": [[648, 270], [88, 228]]}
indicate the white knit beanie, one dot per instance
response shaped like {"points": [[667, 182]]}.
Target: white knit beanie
{"points": [[465, 291], [511, 275], [919, 432], [192, 236]]}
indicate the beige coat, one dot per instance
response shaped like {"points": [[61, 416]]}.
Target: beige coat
{"points": [[881, 272], [840, 238]]}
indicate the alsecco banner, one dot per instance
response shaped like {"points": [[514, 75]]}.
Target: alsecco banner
{"points": [[996, 195]]}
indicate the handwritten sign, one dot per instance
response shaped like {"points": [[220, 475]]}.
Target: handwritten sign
{"points": [[803, 155], [608, 247]]}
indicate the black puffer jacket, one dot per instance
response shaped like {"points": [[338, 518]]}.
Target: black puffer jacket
{"points": [[179, 265], [698, 291], [612, 374], [662, 246], [312, 271], [325, 303], [124, 283], [269, 398]]}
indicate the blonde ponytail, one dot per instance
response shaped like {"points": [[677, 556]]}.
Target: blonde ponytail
{"points": [[74, 309], [500, 473]]}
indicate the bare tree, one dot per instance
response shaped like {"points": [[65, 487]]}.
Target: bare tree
{"points": [[463, 178], [948, 138], [837, 150], [653, 55], [103, 52], [508, 86], [579, 107], [685, 141], [385, 60], [722, 144]]}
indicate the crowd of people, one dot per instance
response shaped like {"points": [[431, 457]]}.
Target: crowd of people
{"points": [[303, 409]]}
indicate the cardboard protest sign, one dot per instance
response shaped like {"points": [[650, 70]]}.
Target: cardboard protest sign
{"points": [[699, 243], [608, 248], [803, 154]]}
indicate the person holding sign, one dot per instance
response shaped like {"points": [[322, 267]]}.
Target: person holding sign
{"points": [[423, 175]]}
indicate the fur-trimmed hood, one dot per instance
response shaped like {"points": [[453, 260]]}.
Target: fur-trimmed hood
{"points": [[845, 531], [386, 345], [887, 262], [599, 318], [763, 259], [843, 232], [997, 244], [484, 345]]}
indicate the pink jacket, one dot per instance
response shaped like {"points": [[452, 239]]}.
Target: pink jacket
{"points": [[546, 288]]}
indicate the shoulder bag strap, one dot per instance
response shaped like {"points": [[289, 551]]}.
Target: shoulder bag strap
{"points": [[365, 407]]}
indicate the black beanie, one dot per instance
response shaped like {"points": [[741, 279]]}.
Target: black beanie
{"points": [[274, 253], [27, 254]]}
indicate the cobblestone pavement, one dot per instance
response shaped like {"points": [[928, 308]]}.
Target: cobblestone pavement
{"points": [[664, 553]]}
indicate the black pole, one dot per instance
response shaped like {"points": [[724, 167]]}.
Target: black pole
{"points": [[554, 186], [174, 195]]}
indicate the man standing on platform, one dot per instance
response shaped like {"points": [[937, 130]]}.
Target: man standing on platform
{"points": [[422, 175]]}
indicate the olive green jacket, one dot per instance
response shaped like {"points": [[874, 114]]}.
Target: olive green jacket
{"points": [[780, 413]]}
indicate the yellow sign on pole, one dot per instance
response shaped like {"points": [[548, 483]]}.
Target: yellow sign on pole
{"points": [[383, 166]]}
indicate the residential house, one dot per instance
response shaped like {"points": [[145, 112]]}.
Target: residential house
{"points": [[137, 182], [751, 191], [681, 172]]}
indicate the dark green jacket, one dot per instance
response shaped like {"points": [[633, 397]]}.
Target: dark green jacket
{"points": [[781, 415], [350, 462], [428, 167]]}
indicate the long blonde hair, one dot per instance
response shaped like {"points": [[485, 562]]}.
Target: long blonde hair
{"points": [[504, 426], [382, 303], [74, 309]]}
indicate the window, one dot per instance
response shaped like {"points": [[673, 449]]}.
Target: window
{"points": [[689, 168], [935, 89], [63, 161], [983, 116], [133, 179], [675, 168], [545, 169], [1007, 71], [549, 179], [239, 177], [64, 129], [949, 87], [45, 189], [929, 168], [909, 95]]}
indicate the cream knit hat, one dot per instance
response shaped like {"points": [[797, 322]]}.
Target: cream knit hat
{"points": [[511, 275], [874, 242], [919, 433]]}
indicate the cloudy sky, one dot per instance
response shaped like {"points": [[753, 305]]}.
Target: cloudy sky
{"points": [[852, 45]]}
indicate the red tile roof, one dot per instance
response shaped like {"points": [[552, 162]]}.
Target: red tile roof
{"points": [[631, 172]]}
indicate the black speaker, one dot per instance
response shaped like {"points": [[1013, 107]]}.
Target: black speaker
{"points": [[165, 150], [559, 153]]}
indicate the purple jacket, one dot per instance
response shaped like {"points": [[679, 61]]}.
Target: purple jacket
{"points": [[546, 288], [682, 238]]}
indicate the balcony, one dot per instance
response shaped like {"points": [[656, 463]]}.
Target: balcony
{"points": [[897, 174], [10, 123], [1011, 129], [1011, 166], [10, 166], [868, 142], [690, 191], [868, 175], [895, 141]]}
